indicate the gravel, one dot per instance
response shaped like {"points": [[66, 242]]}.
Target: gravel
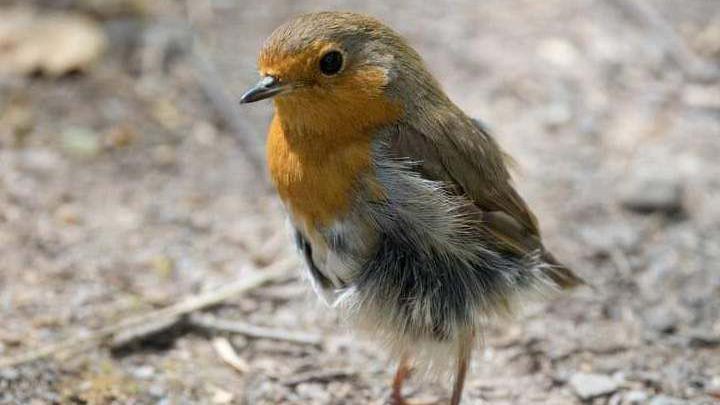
{"points": [[123, 190], [588, 386], [648, 194]]}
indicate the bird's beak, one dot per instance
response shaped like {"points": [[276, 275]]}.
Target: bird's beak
{"points": [[267, 87]]}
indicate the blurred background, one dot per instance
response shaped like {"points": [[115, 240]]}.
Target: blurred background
{"points": [[131, 181]]}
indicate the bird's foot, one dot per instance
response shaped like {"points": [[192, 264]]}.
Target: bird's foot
{"points": [[398, 399]]}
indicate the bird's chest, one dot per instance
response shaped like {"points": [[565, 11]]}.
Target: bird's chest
{"points": [[316, 178]]}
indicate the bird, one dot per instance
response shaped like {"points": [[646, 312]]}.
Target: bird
{"points": [[402, 205]]}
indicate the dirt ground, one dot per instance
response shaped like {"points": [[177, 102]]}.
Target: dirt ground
{"points": [[132, 185]]}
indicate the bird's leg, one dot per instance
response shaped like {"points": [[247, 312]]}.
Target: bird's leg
{"points": [[465, 344], [402, 373]]}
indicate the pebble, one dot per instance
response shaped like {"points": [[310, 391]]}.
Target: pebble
{"points": [[144, 372], [649, 194], [666, 400], [157, 391], [559, 52], [9, 374], [701, 96], [54, 43], [703, 339], [610, 236], [635, 397], [40, 161], [608, 337], [557, 115], [662, 319], [222, 397], [120, 136], [80, 142], [165, 155], [315, 391], [588, 386]]}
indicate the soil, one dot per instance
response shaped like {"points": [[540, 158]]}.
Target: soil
{"points": [[127, 186]]}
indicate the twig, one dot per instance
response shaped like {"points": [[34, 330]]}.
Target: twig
{"points": [[154, 328], [274, 273], [224, 325], [675, 45], [319, 375], [228, 354], [176, 35], [228, 108]]}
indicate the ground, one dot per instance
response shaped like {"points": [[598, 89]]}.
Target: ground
{"points": [[135, 183]]}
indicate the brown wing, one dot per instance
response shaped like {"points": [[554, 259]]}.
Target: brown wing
{"points": [[473, 165]]}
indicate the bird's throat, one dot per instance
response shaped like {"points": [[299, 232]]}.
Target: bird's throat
{"points": [[320, 144], [314, 174]]}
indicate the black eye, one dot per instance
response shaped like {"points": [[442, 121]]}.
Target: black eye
{"points": [[331, 63]]}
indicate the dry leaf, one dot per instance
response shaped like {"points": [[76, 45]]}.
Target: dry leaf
{"points": [[49, 43], [228, 354]]}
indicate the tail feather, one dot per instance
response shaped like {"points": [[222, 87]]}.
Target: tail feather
{"points": [[561, 274]]}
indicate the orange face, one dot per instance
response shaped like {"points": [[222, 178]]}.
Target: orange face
{"points": [[324, 83], [329, 105], [302, 68], [328, 79]]}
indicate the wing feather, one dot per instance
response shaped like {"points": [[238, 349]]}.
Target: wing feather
{"points": [[468, 160]]}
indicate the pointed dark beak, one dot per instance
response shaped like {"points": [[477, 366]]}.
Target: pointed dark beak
{"points": [[267, 87]]}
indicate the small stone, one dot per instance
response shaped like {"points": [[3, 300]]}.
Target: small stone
{"points": [[68, 214], [314, 392], [713, 387], [635, 397], [557, 115], [607, 237], [10, 339], [40, 161], [701, 96], [663, 319], [559, 52], [609, 337], [615, 399], [54, 43], [222, 397], [167, 114], [163, 266], [144, 372], [704, 339], [649, 378], [157, 391], [120, 136], [81, 142], [666, 400], [18, 117], [9, 374], [205, 133], [648, 194], [588, 386], [165, 155]]}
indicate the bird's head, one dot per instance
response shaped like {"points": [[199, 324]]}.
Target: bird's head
{"points": [[334, 67]]}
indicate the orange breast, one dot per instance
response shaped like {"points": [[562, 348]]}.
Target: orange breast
{"points": [[319, 143], [316, 183]]}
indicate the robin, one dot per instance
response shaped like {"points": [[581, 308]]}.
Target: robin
{"points": [[403, 206]]}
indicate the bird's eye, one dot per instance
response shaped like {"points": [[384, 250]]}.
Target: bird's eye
{"points": [[331, 63]]}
